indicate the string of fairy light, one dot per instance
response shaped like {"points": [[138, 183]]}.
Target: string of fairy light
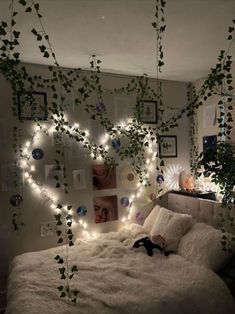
{"points": [[29, 169]]}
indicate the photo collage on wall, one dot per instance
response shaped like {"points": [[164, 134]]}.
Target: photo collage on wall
{"points": [[105, 207]]}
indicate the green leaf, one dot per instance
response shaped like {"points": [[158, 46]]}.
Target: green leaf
{"points": [[22, 2]]}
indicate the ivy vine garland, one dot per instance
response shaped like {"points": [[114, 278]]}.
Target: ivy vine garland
{"points": [[139, 136]]}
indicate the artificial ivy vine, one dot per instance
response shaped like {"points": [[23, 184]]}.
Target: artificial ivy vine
{"points": [[138, 135]]}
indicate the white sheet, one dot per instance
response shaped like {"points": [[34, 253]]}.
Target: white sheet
{"points": [[115, 278]]}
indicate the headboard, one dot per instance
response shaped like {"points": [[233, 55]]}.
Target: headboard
{"points": [[202, 210]]}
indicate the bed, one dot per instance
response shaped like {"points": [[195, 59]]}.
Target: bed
{"points": [[114, 277]]}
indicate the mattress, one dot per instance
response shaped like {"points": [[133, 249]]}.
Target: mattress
{"points": [[114, 277]]}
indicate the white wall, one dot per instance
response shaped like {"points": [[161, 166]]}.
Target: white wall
{"points": [[35, 210]]}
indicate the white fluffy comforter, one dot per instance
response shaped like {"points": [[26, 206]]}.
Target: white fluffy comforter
{"points": [[115, 278]]}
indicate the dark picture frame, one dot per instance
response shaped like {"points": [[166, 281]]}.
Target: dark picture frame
{"points": [[168, 146], [149, 112], [209, 143], [33, 107]]}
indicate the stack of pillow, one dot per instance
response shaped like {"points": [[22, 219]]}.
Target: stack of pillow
{"points": [[197, 242]]}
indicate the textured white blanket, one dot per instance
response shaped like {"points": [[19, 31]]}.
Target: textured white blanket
{"points": [[115, 278]]}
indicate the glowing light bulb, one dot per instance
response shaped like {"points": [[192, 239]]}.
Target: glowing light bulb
{"points": [[85, 225], [92, 155], [34, 185], [27, 144], [87, 133], [25, 150], [80, 221], [30, 180], [32, 168], [150, 150], [147, 161], [37, 128], [53, 206], [138, 195], [123, 219], [23, 163], [76, 126], [26, 174], [107, 147]]}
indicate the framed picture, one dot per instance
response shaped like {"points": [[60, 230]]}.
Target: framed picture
{"points": [[168, 146], [149, 112], [209, 143], [31, 108]]}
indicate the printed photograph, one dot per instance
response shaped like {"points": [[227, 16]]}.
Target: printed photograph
{"points": [[103, 177], [106, 208]]}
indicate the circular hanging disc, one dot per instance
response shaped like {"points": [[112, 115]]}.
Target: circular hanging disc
{"points": [[37, 153], [81, 211], [16, 200]]}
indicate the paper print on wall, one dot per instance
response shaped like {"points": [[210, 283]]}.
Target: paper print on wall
{"points": [[79, 179], [106, 208], [128, 178], [209, 116], [11, 177], [122, 108], [77, 155], [96, 130], [103, 177], [52, 176]]}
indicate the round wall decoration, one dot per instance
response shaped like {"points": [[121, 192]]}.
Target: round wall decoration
{"points": [[81, 211], [128, 178], [125, 202], [160, 179], [37, 153], [116, 144], [139, 217], [16, 200]]}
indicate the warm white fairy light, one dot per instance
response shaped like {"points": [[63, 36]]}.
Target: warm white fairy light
{"points": [[104, 139], [32, 168], [26, 174]]}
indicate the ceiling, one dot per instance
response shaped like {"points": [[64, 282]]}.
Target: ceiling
{"points": [[119, 32]]}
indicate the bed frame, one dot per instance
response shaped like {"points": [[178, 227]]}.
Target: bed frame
{"points": [[201, 209]]}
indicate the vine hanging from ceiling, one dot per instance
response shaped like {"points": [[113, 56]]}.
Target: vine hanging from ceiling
{"points": [[138, 135]]}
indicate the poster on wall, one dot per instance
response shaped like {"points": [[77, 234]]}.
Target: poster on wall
{"points": [[96, 130], [11, 177], [52, 176], [79, 179], [106, 208], [122, 108], [103, 177], [209, 116], [77, 154]]}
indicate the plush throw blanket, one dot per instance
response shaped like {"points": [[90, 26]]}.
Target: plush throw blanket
{"points": [[113, 277]]}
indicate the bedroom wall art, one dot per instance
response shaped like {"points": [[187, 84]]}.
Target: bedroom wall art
{"points": [[127, 140]]}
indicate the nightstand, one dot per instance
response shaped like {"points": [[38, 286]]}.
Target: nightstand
{"points": [[3, 294]]}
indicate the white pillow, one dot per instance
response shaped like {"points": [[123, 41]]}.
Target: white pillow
{"points": [[202, 246], [171, 226], [149, 221]]}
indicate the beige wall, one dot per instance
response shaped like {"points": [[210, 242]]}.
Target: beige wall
{"points": [[36, 210]]}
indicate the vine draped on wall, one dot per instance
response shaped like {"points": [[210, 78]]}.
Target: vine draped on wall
{"points": [[137, 135]]}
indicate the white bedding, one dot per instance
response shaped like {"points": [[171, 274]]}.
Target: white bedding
{"points": [[115, 278]]}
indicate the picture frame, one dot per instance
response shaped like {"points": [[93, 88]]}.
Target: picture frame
{"points": [[209, 143], [149, 112], [33, 108], [168, 146]]}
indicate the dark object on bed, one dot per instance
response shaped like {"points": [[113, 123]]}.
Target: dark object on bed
{"points": [[149, 245]]}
